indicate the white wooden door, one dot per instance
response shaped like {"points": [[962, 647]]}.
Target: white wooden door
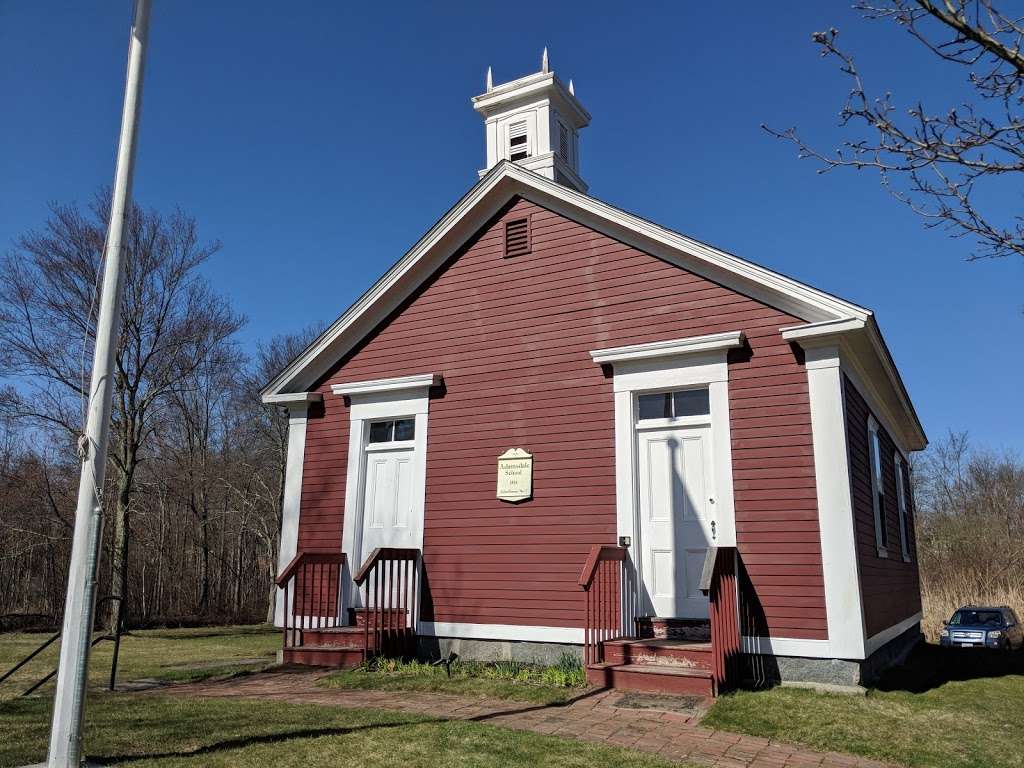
{"points": [[675, 517], [388, 519]]}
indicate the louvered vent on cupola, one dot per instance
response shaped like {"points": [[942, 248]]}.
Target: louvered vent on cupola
{"points": [[517, 237]]}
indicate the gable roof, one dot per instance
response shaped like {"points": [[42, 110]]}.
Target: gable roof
{"points": [[507, 180]]}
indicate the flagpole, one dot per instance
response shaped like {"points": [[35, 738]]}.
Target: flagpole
{"points": [[80, 602]]}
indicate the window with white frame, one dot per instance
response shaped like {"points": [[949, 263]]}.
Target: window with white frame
{"points": [[563, 141], [877, 488], [518, 141], [901, 498]]}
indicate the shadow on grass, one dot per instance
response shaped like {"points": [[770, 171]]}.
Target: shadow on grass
{"points": [[199, 633], [248, 741], [537, 707], [931, 666]]}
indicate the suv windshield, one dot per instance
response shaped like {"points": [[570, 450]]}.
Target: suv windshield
{"points": [[974, 618]]}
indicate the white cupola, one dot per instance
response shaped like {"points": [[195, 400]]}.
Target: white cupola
{"points": [[535, 121]]}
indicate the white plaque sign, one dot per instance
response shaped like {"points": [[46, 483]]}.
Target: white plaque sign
{"points": [[515, 475]]}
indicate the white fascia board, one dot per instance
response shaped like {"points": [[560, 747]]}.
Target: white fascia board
{"points": [[823, 330], [862, 346], [357, 319], [397, 384], [785, 293], [877, 641], [512, 632], [477, 206], [715, 342], [289, 399]]}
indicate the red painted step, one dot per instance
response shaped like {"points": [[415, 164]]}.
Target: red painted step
{"points": [[652, 678], [393, 617], [353, 638], [316, 656], [677, 653]]}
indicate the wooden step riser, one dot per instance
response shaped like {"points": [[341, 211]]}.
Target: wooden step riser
{"points": [[629, 680], [393, 618], [354, 640], [673, 629], [339, 658], [681, 657]]}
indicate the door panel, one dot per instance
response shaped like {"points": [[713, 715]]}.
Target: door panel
{"points": [[675, 517], [387, 501]]}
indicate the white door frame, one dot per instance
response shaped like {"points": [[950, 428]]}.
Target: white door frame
{"points": [[666, 365], [405, 396], [677, 427]]}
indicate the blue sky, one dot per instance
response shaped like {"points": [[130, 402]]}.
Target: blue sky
{"points": [[318, 141]]}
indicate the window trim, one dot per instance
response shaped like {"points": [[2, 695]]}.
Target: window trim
{"points": [[877, 487], [673, 421], [900, 472], [401, 397]]}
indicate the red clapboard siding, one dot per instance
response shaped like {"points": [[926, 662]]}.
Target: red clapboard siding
{"points": [[512, 337], [890, 587]]}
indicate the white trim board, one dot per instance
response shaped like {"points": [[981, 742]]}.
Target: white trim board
{"points": [[397, 384], [866, 360], [786, 646], [715, 342], [382, 399], [844, 609], [505, 181], [878, 640], [672, 364], [298, 410], [513, 632]]}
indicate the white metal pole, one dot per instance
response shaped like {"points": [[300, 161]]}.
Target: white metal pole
{"points": [[80, 603]]}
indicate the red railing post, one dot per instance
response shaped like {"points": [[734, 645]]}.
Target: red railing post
{"points": [[603, 610]]}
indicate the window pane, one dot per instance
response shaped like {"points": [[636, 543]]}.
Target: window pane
{"points": [[405, 429], [692, 402], [657, 406], [380, 432]]}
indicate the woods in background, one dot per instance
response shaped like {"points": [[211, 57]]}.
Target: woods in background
{"points": [[970, 523], [194, 496]]}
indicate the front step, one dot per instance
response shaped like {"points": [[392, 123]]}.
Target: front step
{"points": [[320, 656], [652, 678], [352, 638], [666, 628], [670, 653]]}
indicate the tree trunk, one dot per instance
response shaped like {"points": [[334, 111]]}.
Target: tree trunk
{"points": [[119, 558]]}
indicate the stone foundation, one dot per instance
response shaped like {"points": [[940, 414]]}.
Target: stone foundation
{"points": [[544, 654], [762, 670]]}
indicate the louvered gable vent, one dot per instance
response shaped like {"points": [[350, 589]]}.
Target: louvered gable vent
{"points": [[517, 237]]}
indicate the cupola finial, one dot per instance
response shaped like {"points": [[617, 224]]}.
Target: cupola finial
{"points": [[571, 89], [544, 61], [490, 81]]}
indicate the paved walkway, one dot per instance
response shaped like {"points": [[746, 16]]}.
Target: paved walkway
{"points": [[592, 717]]}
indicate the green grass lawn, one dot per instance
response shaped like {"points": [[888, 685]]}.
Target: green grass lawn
{"points": [[501, 680], [153, 730], [164, 654], [944, 708]]}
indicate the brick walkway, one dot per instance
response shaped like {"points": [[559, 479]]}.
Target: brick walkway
{"points": [[592, 717]]}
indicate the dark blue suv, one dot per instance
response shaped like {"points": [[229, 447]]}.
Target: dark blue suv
{"points": [[976, 627]]}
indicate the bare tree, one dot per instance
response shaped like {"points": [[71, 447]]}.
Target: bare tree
{"points": [[171, 323], [270, 425], [941, 162]]}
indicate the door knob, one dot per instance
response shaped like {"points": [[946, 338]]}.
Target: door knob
{"points": [[714, 527]]}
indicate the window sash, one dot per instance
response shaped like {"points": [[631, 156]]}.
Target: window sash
{"points": [[901, 499], [877, 489]]}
